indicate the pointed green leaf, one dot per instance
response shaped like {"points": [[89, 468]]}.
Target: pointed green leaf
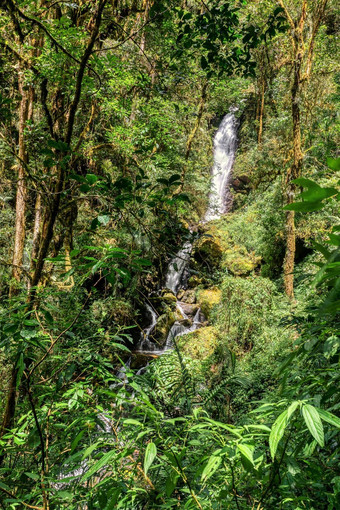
{"points": [[334, 164], [150, 454], [313, 422], [103, 461], [212, 465], [247, 451], [277, 432], [304, 206], [329, 417]]}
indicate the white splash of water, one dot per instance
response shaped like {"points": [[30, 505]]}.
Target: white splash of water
{"points": [[225, 144]]}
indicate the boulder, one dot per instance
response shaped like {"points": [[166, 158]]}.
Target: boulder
{"points": [[207, 299], [189, 296], [193, 282], [238, 261], [208, 249], [189, 309], [169, 298], [199, 344], [180, 294], [163, 326]]}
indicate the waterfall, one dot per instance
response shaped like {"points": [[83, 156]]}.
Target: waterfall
{"points": [[225, 144], [176, 268]]}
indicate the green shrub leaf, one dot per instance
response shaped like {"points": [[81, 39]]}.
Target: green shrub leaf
{"points": [[277, 432], [150, 455], [211, 467], [313, 422]]}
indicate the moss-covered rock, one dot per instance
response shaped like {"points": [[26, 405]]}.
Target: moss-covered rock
{"points": [[162, 328], [208, 249], [194, 281], [199, 344], [189, 296], [169, 298], [238, 261], [207, 299]]}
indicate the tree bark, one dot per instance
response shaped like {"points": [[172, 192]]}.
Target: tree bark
{"points": [[259, 139], [21, 195]]}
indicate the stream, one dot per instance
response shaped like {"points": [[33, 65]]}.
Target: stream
{"points": [[225, 145]]}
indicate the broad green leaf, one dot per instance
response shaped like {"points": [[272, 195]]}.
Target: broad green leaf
{"points": [[103, 461], [212, 465], [313, 422], [334, 239], [130, 421], [293, 406], [334, 164], [329, 417], [91, 178], [247, 451], [89, 450], [306, 183], [315, 195], [304, 206], [150, 455], [277, 432]]}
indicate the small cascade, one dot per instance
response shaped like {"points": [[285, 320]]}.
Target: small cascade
{"points": [[177, 267], [145, 344], [225, 144]]}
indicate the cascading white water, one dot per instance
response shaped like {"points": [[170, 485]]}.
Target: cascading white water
{"points": [[145, 343], [176, 268], [225, 144]]}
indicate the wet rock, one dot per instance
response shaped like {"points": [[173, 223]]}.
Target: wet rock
{"points": [[169, 298], [180, 294], [189, 296], [193, 282], [140, 359], [208, 298], [186, 323], [189, 308], [163, 326]]}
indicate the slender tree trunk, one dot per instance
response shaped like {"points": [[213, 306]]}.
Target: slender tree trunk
{"points": [[294, 173], [21, 195], [259, 139]]}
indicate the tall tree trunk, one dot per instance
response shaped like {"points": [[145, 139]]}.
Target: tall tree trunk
{"points": [[263, 87], [25, 110]]}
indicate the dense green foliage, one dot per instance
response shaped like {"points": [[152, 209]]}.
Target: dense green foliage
{"points": [[108, 112]]}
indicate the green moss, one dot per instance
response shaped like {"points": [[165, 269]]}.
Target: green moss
{"points": [[208, 249], [238, 261], [199, 344], [207, 299]]}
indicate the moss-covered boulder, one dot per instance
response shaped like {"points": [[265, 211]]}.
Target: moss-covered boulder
{"points": [[199, 344], [162, 328], [194, 281], [169, 298], [189, 296], [238, 261], [207, 299], [208, 249]]}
